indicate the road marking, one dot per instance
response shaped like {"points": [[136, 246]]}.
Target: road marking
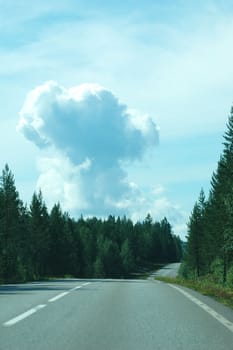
{"points": [[228, 324], [75, 288], [78, 287], [58, 297], [85, 284], [38, 307], [65, 293], [23, 316]]}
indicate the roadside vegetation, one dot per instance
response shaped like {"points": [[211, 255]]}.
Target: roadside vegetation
{"points": [[36, 244], [205, 286], [208, 260]]}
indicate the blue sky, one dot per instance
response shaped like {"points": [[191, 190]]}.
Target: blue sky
{"points": [[162, 70]]}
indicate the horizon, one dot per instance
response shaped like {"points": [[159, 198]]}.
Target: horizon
{"points": [[116, 109]]}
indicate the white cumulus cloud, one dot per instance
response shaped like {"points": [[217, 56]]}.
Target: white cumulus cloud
{"points": [[93, 134], [85, 121]]}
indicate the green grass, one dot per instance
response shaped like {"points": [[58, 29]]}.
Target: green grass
{"points": [[219, 292]]}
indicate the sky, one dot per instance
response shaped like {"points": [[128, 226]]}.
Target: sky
{"points": [[115, 107]]}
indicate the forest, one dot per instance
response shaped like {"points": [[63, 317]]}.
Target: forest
{"points": [[209, 252], [36, 243]]}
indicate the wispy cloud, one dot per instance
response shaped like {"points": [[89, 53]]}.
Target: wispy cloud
{"points": [[173, 61]]}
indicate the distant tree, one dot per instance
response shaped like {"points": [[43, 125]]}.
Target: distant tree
{"points": [[111, 259], [74, 248], [10, 233], [157, 243], [35, 244], [194, 250], [39, 235], [57, 259], [99, 271], [89, 244], [166, 240], [127, 258], [178, 248]]}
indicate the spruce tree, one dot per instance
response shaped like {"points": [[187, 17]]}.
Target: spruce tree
{"points": [[10, 233], [39, 235], [221, 200], [128, 263], [194, 252], [210, 238], [58, 240]]}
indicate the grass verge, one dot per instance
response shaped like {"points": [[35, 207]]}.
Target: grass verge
{"points": [[205, 287]]}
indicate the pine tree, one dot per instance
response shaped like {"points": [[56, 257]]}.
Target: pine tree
{"points": [[2, 237], [39, 235], [210, 237], [99, 271], [57, 258], [74, 247], [166, 239], [228, 196], [194, 253], [89, 253], [221, 201], [128, 263], [178, 248], [10, 233]]}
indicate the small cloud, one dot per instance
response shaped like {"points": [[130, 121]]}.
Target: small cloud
{"points": [[181, 230], [157, 190]]}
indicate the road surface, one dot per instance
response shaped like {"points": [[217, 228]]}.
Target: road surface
{"points": [[170, 270], [111, 315]]}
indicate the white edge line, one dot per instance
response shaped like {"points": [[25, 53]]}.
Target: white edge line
{"points": [[23, 316], [228, 324]]}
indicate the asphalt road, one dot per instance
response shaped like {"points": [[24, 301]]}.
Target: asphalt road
{"points": [[111, 315], [170, 270]]}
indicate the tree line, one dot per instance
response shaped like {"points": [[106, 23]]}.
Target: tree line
{"points": [[36, 243], [209, 249]]}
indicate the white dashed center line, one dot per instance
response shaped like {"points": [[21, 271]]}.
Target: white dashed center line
{"points": [[23, 316], [58, 297], [39, 307]]}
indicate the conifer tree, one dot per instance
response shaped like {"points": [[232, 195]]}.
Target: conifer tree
{"points": [[210, 236], [194, 251], [128, 263], [57, 242], [221, 195], [39, 235], [10, 234]]}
